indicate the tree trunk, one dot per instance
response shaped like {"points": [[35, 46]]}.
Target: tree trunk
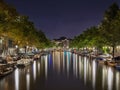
{"points": [[113, 52]]}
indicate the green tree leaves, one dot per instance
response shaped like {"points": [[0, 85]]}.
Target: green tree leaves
{"points": [[108, 32], [18, 28]]}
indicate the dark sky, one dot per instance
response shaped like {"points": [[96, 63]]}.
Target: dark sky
{"points": [[58, 18]]}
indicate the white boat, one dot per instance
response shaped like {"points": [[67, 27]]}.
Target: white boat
{"points": [[24, 62]]}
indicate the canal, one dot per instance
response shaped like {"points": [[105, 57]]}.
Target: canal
{"points": [[62, 71]]}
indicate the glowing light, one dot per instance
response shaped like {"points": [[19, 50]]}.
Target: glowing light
{"points": [[28, 81], [16, 46], [16, 79], [110, 78], [104, 76], [94, 74], [67, 64], [89, 70], [46, 67], [63, 62], [80, 67], [76, 68], [85, 74], [34, 70], [117, 80], [74, 60], [53, 60], [39, 68]]}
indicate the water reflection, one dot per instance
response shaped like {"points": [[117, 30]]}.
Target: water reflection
{"points": [[110, 78], [34, 70], [38, 68], [46, 67], [56, 61], [28, 81], [93, 74], [66, 68], [17, 79], [117, 80], [85, 70], [104, 75], [68, 64]]}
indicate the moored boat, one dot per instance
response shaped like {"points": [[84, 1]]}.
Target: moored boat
{"points": [[24, 62], [111, 63], [100, 60], [5, 70]]}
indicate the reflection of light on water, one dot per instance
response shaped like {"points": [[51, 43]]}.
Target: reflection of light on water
{"points": [[58, 62], [110, 78], [89, 71], [28, 81], [68, 64], [63, 62], [46, 66], [94, 74], [74, 60], [85, 69], [39, 68], [2, 84], [49, 59], [104, 76], [117, 80], [76, 69], [16, 79], [34, 70], [53, 60], [80, 67]]}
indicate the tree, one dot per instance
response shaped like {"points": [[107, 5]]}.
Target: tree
{"points": [[19, 29], [110, 27]]}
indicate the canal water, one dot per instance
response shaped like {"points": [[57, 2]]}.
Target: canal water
{"points": [[62, 71]]}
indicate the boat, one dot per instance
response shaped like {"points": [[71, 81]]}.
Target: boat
{"points": [[12, 64], [117, 66], [36, 56], [100, 60], [111, 63], [5, 70], [24, 62], [105, 59]]}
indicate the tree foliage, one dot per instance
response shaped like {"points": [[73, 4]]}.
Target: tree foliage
{"points": [[107, 33], [18, 28]]}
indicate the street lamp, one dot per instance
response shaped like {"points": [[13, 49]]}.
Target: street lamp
{"points": [[17, 49]]}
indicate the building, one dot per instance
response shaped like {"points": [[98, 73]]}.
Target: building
{"points": [[62, 42]]}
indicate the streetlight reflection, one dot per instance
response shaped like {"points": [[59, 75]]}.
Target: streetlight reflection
{"points": [[28, 81], [104, 76], [117, 80], [46, 66], [34, 70], [80, 67], [110, 78], [68, 64], [39, 68], [16, 79], [85, 69], [93, 74], [74, 65]]}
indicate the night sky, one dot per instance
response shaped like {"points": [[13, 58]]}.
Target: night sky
{"points": [[58, 18]]}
